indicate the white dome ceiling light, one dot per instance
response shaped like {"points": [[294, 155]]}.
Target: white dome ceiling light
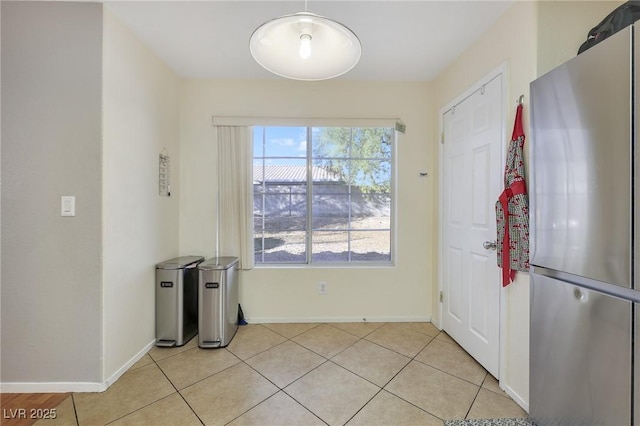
{"points": [[305, 46]]}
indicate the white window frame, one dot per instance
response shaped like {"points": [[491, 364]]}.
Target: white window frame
{"points": [[345, 123]]}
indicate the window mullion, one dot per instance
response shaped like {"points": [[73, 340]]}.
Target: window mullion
{"points": [[309, 239], [264, 190], [264, 204], [350, 170]]}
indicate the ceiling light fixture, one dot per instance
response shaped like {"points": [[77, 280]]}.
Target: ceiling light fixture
{"points": [[305, 46]]}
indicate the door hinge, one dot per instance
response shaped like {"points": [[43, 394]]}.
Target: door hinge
{"points": [[441, 297], [442, 138]]}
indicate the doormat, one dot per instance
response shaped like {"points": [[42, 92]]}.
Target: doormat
{"points": [[490, 422]]}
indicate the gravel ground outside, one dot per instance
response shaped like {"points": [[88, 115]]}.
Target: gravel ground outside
{"points": [[330, 242]]}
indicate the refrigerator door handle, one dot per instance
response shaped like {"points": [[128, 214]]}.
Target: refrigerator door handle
{"points": [[588, 284]]}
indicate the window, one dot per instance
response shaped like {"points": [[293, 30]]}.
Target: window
{"points": [[327, 201]]}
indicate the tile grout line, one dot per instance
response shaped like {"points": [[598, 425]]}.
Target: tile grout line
{"points": [[254, 406], [207, 377], [180, 394], [160, 399], [240, 361], [326, 360], [399, 371], [281, 389], [137, 409], [173, 385], [75, 411], [278, 387], [365, 404], [359, 338], [380, 388], [243, 361], [261, 375], [478, 386], [294, 398], [450, 374], [442, 371], [466, 416]]}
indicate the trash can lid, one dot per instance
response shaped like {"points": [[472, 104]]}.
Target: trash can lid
{"points": [[180, 262], [218, 263]]}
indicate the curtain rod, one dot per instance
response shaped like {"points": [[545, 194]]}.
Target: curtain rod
{"points": [[307, 121]]}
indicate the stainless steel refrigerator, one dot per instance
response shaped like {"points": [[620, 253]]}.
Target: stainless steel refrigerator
{"points": [[584, 234]]}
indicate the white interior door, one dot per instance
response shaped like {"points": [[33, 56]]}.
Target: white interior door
{"points": [[472, 173]]}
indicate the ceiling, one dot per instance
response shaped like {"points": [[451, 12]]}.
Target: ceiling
{"points": [[401, 40]]}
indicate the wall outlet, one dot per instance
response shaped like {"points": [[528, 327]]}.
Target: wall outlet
{"points": [[322, 287]]}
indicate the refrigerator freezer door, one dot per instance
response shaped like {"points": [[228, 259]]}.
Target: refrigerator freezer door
{"points": [[580, 365], [636, 405], [581, 155]]}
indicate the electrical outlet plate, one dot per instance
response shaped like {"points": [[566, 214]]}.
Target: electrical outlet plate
{"points": [[322, 287]]}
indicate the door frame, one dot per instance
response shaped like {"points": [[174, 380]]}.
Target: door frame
{"points": [[502, 70]]}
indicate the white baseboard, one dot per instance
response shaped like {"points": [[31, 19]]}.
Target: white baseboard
{"points": [[517, 398], [273, 320], [115, 376], [436, 324], [62, 387]]}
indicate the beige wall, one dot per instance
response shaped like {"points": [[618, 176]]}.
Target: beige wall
{"points": [[395, 293], [51, 146], [140, 228], [511, 40], [563, 26], [77, 293], [86, 110], [531, 38]]}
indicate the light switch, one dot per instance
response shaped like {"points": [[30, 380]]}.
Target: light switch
{"points": [[68, 205]]}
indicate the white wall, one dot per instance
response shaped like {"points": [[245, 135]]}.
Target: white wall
{"points": [[51, 134], [290, 294], [140, 227]]}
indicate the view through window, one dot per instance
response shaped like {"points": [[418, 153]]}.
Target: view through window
{"points": [[322, 194]]}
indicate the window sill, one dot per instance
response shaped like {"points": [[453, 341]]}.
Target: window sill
{"points": [[326, 266]]}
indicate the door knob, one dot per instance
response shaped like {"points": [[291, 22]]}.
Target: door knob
{"points": [[489, 245]]}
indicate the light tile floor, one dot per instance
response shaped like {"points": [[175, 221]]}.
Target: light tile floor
{"points": [[301, 374]]}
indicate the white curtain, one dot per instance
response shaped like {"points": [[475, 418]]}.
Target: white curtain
{"points": [[235, 194]]}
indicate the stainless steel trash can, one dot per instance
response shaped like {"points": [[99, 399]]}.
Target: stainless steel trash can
{"points": [[177, 300], [217, 302]]}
